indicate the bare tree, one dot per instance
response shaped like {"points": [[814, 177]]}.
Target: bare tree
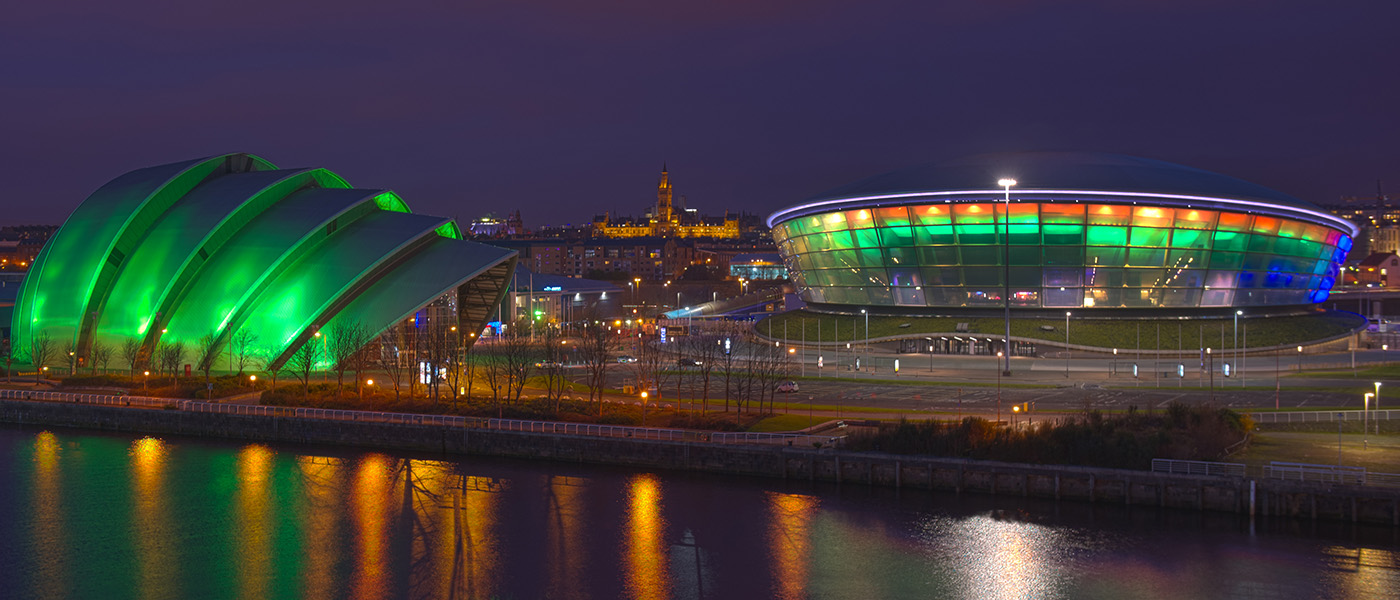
{"points": [[131, 353], [41, 352], [302, 362], [389, 358], [552, 365], [347, 338], [244, 347], [170, 355], [12, 355], [595, 346], [101, 355], [210, 348], [706, 350]]}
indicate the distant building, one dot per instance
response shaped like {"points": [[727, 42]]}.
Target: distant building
{"points": [[20, 245], [667, 220], [557, 299], [490, 226], [1380, 268], [758, 266], [650, 258]]}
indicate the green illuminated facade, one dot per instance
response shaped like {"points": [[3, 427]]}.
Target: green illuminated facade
{"points": [[1077, 230], [178, 252]]}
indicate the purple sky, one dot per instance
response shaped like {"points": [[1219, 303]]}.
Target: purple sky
{"points": [[565, 108]]}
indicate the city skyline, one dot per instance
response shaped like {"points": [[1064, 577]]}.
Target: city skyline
{"points": [[568, 112]]}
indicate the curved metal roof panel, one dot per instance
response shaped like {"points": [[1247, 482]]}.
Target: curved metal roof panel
{"points": [[212, 299], [97, 237]]}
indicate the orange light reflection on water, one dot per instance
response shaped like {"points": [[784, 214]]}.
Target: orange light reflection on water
{"points": [[49, 543], [370, 503], [253, 536], [151, 527], [790, 542], [645, 557]]}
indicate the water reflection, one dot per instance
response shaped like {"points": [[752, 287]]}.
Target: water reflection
{"points": [[646, 563], [322, 482], [790, 542], [565, 552], [208, 519], [50, 541], [151, 527], [253, 531], [372, 491]]}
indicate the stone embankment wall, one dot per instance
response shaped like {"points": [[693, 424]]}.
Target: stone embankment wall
{"points": [[1265, 497]]}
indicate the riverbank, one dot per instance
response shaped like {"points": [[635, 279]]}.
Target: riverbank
{"points": [[1261, 497]]}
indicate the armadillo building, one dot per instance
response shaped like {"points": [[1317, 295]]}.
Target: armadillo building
{"points": [[202, 249], [1055, 230]]}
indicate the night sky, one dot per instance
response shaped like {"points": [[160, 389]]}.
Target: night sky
{"points": [[567, 108]]}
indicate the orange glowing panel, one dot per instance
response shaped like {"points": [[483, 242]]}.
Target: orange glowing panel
{"points": [[1024, 213], [1062, 214], [1193, 218], [973, 214], [1234, 222], [933, 215], [1267, 225], [1152, 216], [1291, 229], [1109, 214], [1315, 233], [859, 218], [897, 216]]}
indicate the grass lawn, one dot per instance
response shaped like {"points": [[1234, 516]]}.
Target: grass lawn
{"points": [[1382, 456], [1104, 333], [788, 422]]}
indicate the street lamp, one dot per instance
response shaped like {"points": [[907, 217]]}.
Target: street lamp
{"points": [[1006, 184], [999, 354], [1365, 418], [1378, 407], [1236, 345], [867, 337], [644, 408], [1300, 359], [1066, 344], [147, 376]]}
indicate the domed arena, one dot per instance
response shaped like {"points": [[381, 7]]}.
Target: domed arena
{"points": [[1059, 230]]}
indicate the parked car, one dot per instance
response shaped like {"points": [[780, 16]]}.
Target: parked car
{"points": [[626, 359], [548, 364], [788, 387], [688, 362]]}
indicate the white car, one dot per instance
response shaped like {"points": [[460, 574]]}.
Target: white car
{"points": [[626, 359], [787, 387]]}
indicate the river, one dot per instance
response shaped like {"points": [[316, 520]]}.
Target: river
{"points": [[90, 515]]}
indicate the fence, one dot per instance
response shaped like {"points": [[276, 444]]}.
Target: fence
{"points": [[1319, 473], [1198, 467], [1323, 416], [558, 427]]}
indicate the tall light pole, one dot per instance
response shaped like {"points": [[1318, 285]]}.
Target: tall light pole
{"points": [[1365, 418], [998, 392], [1066, 344], [867, 337], [1235, 349], [1006, 184], [1378, 407]]}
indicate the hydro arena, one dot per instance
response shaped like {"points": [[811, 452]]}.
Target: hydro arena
{"points": [[1034, 231]]}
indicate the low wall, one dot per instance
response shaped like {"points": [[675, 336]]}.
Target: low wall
{"points": [[1266, 497]]}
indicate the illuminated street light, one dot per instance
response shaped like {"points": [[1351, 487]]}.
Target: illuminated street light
{"points": [[1006, 184]]}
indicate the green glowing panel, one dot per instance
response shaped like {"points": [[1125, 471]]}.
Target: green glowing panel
{"points": [[391, 202], [418, 281], [189, 231], [1102, 235], [306, 289], [934, 235], [1190, 238], [1150, 236], [1063, 235], [976, 234], [867, 238], [279, 234], [449, 230], [95, 240]]}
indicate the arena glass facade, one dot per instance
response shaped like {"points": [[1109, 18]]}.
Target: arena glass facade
{"points": [[1066, 247], [176, 253]]}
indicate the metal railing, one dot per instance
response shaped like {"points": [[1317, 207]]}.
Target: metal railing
{"points": [[1318, 473], [1198, 467], [1323, 416], [363, 416]]}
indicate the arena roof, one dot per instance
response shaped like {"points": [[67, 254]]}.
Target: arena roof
{"points": [[1056, 172]]}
